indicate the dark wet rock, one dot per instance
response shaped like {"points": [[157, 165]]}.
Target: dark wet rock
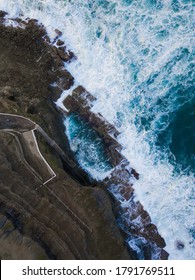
{"points": [[84, 98], [71, 217], [32, 77], [81, 101], [56, 91], [179, 244], [135, 174], [164, 255], [2, 14], [46, 39], [3, 220], [65, 79], [65, 219], [59, 42], [58, 32], [66, 56], [134, 220]]}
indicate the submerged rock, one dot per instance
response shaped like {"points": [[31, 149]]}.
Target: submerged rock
{"points": [[179, 244]]}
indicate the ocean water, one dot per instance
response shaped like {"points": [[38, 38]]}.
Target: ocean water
{"points": [[88, 147], [137, 59]]}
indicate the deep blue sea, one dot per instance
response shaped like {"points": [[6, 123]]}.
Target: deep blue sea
{"points": [[137, 58]]}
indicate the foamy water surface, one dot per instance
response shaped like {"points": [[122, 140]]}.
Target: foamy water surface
{"points": [[137, 59]]}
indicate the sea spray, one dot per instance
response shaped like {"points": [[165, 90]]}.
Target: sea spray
{"points": [[137, 59]]}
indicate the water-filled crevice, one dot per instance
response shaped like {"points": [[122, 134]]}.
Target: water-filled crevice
{"points": [[87, 145]]}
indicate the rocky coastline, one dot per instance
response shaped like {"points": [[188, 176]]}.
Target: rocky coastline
{"points": [[34, 223], [38, 222]]}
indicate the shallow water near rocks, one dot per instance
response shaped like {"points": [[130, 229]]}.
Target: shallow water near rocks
{"points": [[87, 146], [137, 59]]}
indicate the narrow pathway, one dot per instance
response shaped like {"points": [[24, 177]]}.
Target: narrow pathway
{"points": [[22, 130]]}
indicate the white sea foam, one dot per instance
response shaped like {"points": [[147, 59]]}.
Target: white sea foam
{"points": [[118, 49], [63, 96], [13, 23]]}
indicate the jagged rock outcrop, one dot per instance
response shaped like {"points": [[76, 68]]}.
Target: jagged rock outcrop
{"points": [[71, 217], [62, 220], [132, 217]]}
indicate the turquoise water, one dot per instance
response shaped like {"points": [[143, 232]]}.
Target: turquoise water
{"points": [[137, 59], [170, 119], [89, 148]]}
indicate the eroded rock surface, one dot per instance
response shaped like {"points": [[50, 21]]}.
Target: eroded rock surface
{"points": [[132, 217], [71, 217]]}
